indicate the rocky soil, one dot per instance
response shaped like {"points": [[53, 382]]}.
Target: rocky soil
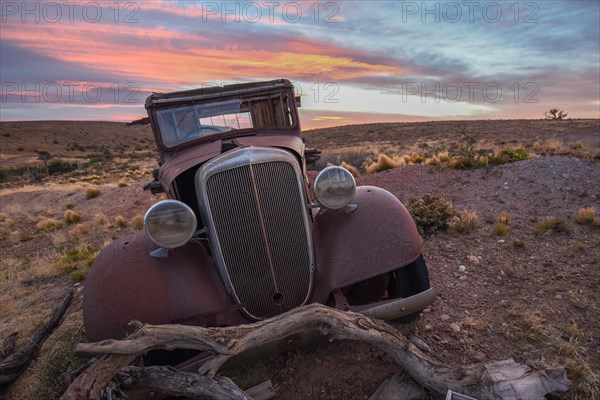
{"points": [[529, 296]]}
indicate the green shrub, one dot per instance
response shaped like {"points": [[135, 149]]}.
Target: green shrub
{"points": [[59, 167], [516, 155], [431, 213], [52, 368], [79, 257]]}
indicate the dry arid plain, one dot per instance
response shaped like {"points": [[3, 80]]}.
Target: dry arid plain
{"points": [[516, 266]]}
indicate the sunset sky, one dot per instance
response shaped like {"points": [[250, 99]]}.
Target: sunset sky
{"points": [[351, 61]]}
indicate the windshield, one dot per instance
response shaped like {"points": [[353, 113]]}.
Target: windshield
{"points": [[188, 122]]}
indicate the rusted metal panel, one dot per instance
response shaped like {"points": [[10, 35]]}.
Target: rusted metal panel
{"points": [[378, 237], [284, 141], [185, 160], [194, 156], [125, 283], [217, 92]]}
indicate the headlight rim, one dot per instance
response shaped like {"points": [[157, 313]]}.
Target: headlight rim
{"points": [[320, 175], [178, 203]]}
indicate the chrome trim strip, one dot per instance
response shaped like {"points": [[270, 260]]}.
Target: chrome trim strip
{"points": [[401, 307], [263, 228]]}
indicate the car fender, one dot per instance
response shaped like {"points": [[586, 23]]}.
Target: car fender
{"points": [[125, 283], [378, 236]]}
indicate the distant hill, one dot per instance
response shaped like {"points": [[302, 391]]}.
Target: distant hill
{"points": [[71, 137], [403, 136], [21, 140]]}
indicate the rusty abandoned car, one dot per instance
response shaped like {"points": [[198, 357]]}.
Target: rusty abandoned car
{"points": [[243, 235]]}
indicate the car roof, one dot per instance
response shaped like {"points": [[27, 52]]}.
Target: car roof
{"points": [[160, 99]]}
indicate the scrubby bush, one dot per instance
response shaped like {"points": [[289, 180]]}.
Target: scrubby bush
{"points": [[77, 258], [431, 213], [71, 217], [59, 167], [516, 154], [92, 193], [48, 224], [555, 114]]}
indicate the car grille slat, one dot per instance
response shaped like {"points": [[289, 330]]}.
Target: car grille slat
{"points": [[258, 217]]}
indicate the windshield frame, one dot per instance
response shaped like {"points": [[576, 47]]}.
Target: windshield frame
{"points": [[286, 94]]}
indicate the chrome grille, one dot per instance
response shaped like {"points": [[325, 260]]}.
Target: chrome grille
{"points": [[258, 226]]}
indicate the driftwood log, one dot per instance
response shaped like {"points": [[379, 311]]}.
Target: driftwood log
{"points": [[12, 363], [496, 380]]}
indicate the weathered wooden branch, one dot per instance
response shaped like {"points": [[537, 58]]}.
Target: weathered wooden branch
{"points": [[8, 347], [496, 380], [13, 365], [176, 383]]}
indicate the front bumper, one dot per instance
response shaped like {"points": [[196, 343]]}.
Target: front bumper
{"points": [[397, 308]]}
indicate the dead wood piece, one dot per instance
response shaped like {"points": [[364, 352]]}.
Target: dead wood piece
{"points": [[8, 347], [170, 381], [93, 381], [12, 366], [504, 379], [400, 386]]}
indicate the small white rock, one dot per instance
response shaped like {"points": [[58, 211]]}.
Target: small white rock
{"points": [[501, 241], [455, 327], [462, 268]]}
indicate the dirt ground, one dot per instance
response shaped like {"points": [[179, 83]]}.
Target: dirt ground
{"points": [[524, 295]]}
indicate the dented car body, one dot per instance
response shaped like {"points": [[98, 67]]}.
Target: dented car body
{"points": [[244, 234]]}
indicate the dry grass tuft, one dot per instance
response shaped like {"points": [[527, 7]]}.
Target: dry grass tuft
{"points": [[503, 218], [79, 231], [100, 219], [48, 224], [553, 146], [465, 221], [440, 159], [526, 325], [383, 163], [478, 324], [500, 229], [72, 217], [551, 225], [137, 222], [58, 238], [121, 221], [586, 215], [353, 170]]}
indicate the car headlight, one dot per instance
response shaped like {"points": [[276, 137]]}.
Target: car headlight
{"points": [[334, 187], [170, 223]]}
